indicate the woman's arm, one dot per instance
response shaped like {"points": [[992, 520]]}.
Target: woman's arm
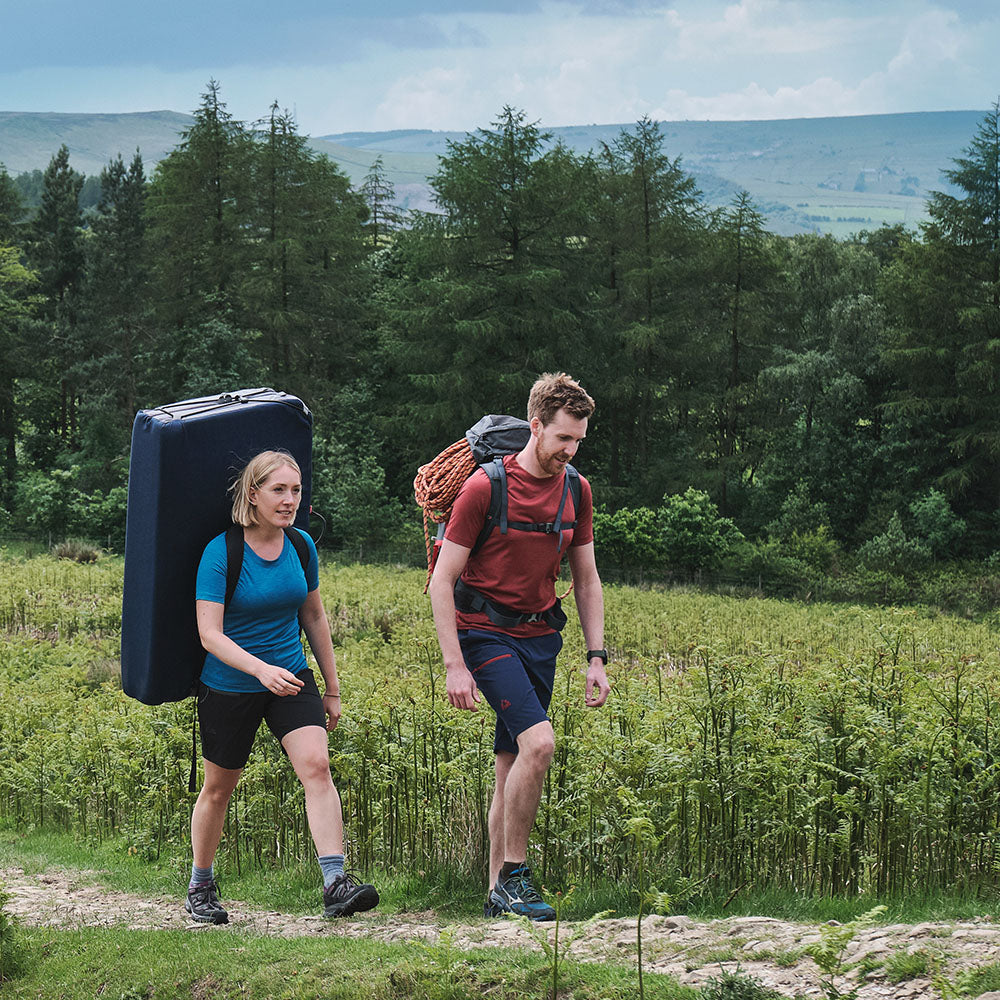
{"points": [[276, 679], [312, 617]]}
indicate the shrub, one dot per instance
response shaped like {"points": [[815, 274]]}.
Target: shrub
{"points": [[633, 537], [815, 549], [695, 535], [936, 524], [349, 490], [799, 515], [77, 550], [734, 986], [11, 945], [769, 566], [893, 550]]}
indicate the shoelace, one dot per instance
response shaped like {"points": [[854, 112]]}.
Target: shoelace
{"points": [[347, 880], [207, 893], [525, 889]]}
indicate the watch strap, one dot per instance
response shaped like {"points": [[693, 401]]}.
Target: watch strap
{"points": [[602, 653]]}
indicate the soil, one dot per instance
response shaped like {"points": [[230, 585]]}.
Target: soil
{"points": [[692, 951]]}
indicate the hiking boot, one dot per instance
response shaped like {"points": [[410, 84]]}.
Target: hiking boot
{"points": [[204, 906], [491, 909], [517, 894], [347, 894]]}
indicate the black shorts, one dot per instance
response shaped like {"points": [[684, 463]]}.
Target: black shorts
{"points": [[229, 720]]}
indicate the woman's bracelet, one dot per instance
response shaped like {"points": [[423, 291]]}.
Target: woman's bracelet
{"points": [[331, 694]]}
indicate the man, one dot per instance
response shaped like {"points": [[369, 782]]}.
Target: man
{"points": [[498, 620]]}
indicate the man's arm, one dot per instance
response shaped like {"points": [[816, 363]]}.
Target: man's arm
{"points": [[460, 684], [590, 604]]}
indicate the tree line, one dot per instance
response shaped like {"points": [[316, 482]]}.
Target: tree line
{"points": [[829, 390]]}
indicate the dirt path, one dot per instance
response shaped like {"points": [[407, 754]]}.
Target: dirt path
{"points": [[692, 951]]}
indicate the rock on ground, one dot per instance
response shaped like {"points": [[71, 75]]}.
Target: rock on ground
{"points": [[692, 951]]}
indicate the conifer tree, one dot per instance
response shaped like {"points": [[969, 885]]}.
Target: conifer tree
{"points": [[379, 195], [945, 294], [494, 288], [645, 241], [198, 209], [11, 207], [56, 252], [119, 364]]}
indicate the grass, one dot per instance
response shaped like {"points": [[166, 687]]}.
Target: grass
{"points": [[451, 895], [155, 965], [975, 982], [903, 965]]}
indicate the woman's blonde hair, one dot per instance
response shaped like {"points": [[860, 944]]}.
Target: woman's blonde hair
{"points": [[255, 473]]}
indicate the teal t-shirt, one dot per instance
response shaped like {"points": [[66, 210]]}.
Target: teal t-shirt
{"points": [[263, 615]]}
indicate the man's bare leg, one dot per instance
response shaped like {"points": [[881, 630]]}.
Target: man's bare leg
{"points": [[518, 792]]}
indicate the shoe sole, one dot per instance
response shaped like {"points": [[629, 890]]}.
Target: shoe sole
{"points": [[366, 898], [217, 918]]}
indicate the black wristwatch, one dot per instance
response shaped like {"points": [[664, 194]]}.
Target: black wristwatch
{"points": [[602, 653]]}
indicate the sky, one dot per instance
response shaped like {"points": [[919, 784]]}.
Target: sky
{"points": [[454, 64]]}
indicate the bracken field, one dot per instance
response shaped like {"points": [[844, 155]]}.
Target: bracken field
{"points": [[748, 745]]}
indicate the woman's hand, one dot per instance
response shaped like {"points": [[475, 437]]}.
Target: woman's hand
{"points": [[278, 680], [331, 705]]}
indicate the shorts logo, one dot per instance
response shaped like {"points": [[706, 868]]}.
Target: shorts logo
{"points": [[504, 705]]}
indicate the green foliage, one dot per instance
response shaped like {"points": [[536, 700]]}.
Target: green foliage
{"points": [[769, 565], [736, 986], [830, 952], [53, 505], [903, 965], [349, 490], [695, 536], [810, 386], [748, 735], [12, 949], [799, 515], [632, 537], [894, 550], [936, 524]]}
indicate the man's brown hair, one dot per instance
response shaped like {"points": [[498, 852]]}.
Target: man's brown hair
{"points": [[555, 392]]}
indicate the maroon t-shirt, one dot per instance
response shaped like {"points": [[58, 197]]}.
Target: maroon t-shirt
{"points": [[518, 569]]}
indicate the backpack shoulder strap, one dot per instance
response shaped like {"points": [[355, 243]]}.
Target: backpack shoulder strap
{"points": [[575, 490], [497, 511], [301, 547], [234, 560], [234, 556]]}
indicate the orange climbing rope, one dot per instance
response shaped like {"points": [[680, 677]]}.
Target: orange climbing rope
{"points": [[435, 487]]}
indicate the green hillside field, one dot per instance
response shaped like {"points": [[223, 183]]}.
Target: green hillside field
{"points": [[829, 175]]}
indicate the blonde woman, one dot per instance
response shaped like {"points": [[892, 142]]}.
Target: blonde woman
{"points": [[255, 670]]}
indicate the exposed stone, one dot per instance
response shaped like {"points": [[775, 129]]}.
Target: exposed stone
{"points": [[678, 946]]}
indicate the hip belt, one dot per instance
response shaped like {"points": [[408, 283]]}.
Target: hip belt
{"points": [[470, 600]]}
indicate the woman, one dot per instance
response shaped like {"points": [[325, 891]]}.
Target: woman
{"points": [[255, 669]]}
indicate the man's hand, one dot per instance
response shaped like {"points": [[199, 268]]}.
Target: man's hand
{"points": [[461, 687], [597, 688]]}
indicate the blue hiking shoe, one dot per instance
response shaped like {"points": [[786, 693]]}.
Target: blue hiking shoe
{"points": [[517, 894]]}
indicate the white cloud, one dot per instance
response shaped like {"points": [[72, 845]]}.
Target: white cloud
{"points": [[573, 62]]}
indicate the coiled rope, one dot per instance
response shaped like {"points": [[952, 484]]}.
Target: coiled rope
{"points": [[435, 488], [437, 484]]}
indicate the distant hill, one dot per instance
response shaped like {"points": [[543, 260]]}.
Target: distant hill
{"points": [[28, 139], [834, 175]]}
